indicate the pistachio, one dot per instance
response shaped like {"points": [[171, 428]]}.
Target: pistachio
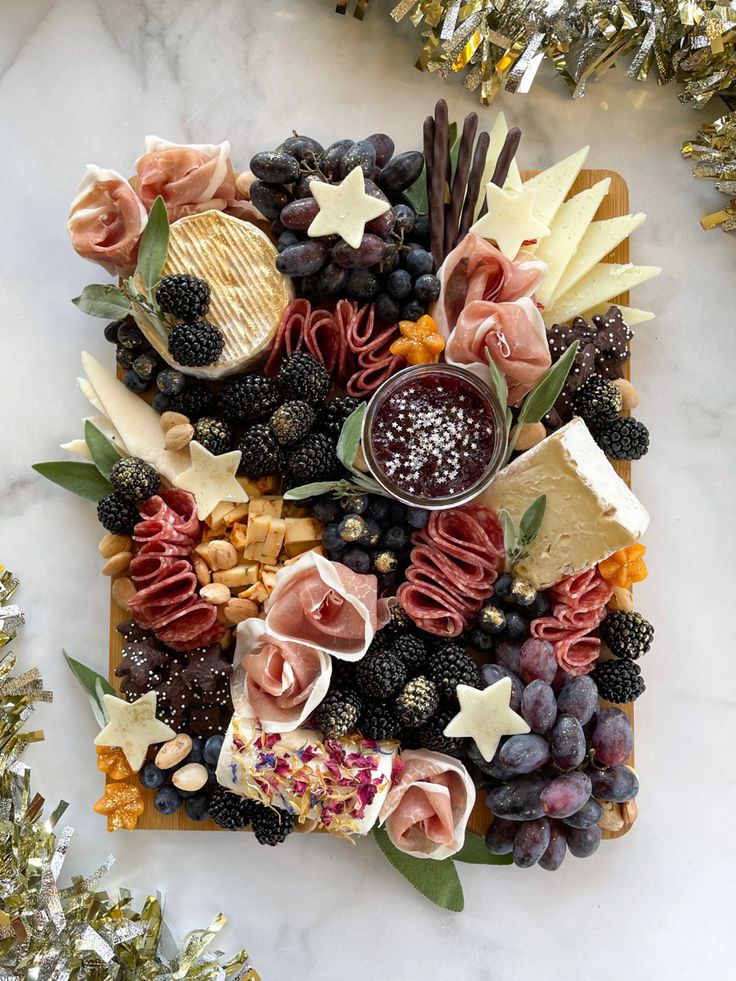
{"points": [[530, 434], [123, 590], [112, 544], [237, 610], [629, 394], [222, 555], [215, 593], [117, 564], [174, 751], [171, 419], [191, 776], [179, 436]]}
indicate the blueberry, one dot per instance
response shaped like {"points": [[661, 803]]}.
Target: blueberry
{"points": [[124, 356], [351, 528], [399, 284], [286, 239], [362, 285], [421, 229], [427, 288], [212, 747], [151, 777], [398, 511], [129, 335], [480, 640], [404, 218], [331, 539], [160, 402], [145, 365], [326, 509], [111, 331], [502, 586], [170, 381], [211, 772], [540, 607], [516, 626], [372, 536], [354, 503], [197, 807], [167, 800], [418, 262], [387, 308], [413, 310], [379, 508], [195, 753], [396, 538], [356, 560], [417, 517], [134, 382]]}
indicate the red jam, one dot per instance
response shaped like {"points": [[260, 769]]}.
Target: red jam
{"points": [[434, 434]]}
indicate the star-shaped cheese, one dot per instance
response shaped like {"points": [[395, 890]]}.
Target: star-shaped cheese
{"points": [[133, 727], [485, 715], [510, 219], [212, 479], [344, 208]]}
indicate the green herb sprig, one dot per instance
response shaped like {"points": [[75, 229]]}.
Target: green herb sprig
{"points": [[516, 543]]}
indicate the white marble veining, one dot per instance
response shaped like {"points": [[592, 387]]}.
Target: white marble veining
{"points": [[83, 81]]}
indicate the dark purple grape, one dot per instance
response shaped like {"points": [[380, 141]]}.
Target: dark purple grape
{"points": [[369, 253], [507, 655], [330, 162], [301, 147], [401, 171], [531, 842], [566, 794], [299, 215], [537, 659], [387, 309], [616, 783], [556, 850], [500, 836], [269, 200], [302, 188], [613, 739], [583, 842], [427, 288], [561, 679], [538, 706], [383, 145], [277, 228], [332, 279], [381, 225], [362, 285], [361, 154], [275, 167], [286, 239], [519, 799], [491, 673], [568, 742], [391, 259], [405, 218], [589, 814], [523, 754], [579, 697], [302, 259]]}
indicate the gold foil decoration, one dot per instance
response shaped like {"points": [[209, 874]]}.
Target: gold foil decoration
{"points": [[714, 153]]}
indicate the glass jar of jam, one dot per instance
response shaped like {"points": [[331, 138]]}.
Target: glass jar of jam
{"points": [[434, 436]]}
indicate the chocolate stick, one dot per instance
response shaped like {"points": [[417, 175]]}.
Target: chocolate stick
{"points": [[503, 164], [476, 175], [460, 181], [437, 187], [428, 146]]}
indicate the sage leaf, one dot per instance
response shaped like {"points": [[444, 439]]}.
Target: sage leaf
{"points": [[474, 852], [509, 531], [545, 393], [154, 245], [310, 490], [499, 384], [107, 302], [94, 686], [437, 881], [83, 479], [531, 521], [103, 452], [349, 440]]}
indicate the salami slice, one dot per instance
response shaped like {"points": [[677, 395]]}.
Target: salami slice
{"points": [[580, 606]]}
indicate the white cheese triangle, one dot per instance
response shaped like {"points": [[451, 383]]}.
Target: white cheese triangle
{"points": [[498, 134], [566, 232], [590, 511], [78, 447], [603, 282], [138, 424], [600, 238], [631, 315], [552, 185]]}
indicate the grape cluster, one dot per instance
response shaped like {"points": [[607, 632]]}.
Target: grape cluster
{"points": [[391, 265], [507, 614], [544, 788]]}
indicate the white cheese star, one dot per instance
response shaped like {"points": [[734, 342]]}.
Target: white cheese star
{"points": [[344, 208], [485, 715], [133, 727], [212, 479], [510, 219]]}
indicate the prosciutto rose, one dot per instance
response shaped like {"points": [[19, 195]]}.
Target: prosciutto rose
{"points": [[190, 178], [485, 307], [106, 220], [427, 809], [323, 604], [279, 683]]}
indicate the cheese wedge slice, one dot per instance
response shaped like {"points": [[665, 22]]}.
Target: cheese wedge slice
{"points": [[553, 185], [600, 238], [498, 134], [570, 224], [631, 315], [590, 511], [603, 282]]}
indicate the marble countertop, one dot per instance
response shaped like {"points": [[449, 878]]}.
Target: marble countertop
{"points": [[84, 81]]}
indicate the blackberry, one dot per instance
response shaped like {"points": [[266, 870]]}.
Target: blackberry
{"points": [[623, 439], [134, 479], [196, 344], [214, 434], [291, 422], [418, 702], [194, 401], [271, 826], [380, 674], [626, 634], [334, 415], [247, 398], [411, 649], [450, 666], [261, 454], [313, 459], [378, 721], [431, 735], [343, 675], [338, 713], [303, 377], [618, 681], [117, 515], [184, 297], [598, 401], [230, 811]]}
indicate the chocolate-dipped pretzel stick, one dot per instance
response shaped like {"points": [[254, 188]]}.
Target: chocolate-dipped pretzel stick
{"points": [[437, 183], [460, 181], [428, 147], [503, 164], [474, 179]]}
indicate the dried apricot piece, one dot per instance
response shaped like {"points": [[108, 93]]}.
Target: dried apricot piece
{"points": [[113, 761], [122, 804], [625, 567], [420, 341]]}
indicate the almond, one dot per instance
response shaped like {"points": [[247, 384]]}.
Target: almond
{"points": [[222, 555], [112, 544], [202, 570], [529, 435], [629, 394], [191, 776], [179, 436], [171, 419], [612, 819], [117, 564], [622, 599], [238, 610], [215, 593], [123, 590], [174, 751]]}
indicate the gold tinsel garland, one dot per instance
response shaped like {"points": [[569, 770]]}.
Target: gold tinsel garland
{"points": [[50, 933]]}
